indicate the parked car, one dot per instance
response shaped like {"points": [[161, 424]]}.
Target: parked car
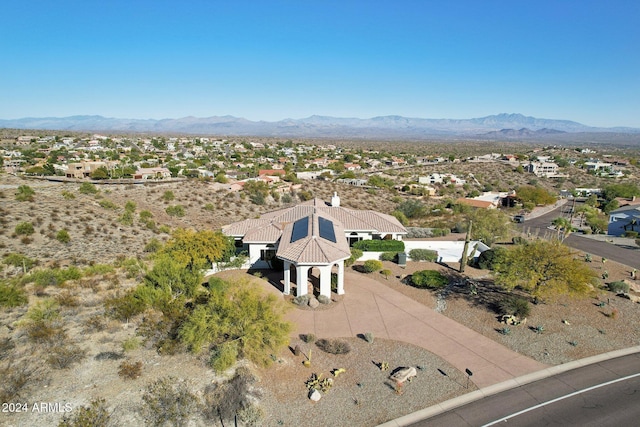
{"points": [[518, 218]]}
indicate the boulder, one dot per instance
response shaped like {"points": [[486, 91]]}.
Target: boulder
{"points": [[314, 395], [313, 302], [403, 374]]}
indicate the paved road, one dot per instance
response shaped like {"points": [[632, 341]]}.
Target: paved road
{"points": [[561, 400], [629, 255]]}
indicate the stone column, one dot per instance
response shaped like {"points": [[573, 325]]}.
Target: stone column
{"points": [[287, 278]]}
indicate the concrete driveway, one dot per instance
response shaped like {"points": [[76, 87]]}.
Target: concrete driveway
{"points": [[369, 306]]}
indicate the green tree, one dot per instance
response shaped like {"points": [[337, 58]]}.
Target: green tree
{"points": [[240, 314], [627, 190], [545, 269], [170, 276], [535, 195], [100, 173], [490, 225], [198, 249], [412, 208]]}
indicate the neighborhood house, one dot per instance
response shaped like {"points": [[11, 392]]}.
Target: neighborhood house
{"points": [[313, 237]]}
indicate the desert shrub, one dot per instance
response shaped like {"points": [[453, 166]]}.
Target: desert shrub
{"points": [[126, 218], [15, 379], [18, 260], [251, 415], [107, 204], [130, 344], [63, 356], [169, 401], [355, 254], [154, 245], [301, 299], [519, 240], [68, 195], [209, 207], [168, 196], [11, 295], [412, 208], [25, 193], [428, 279], [333, 346], [227, 399], [133, 267], [380, 245], [619, 287], [109, 355], [175, 210], [88, 188], [67, 299], [98, 269], [24, 229], [94, 415], [515, 306], [52, 277], [488, 259], [95, 323], [62, 236], [439, 232], [388, 256], [371, 265], [308, 338], [323, 299], [423, 255], [224, 357], [124, 307], [631, 234], [130, 370], [368, 337], [386, 273]]}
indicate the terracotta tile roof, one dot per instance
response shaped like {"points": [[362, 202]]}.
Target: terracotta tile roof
{"points": [[313, 248], [265, 234], [476, 203]]}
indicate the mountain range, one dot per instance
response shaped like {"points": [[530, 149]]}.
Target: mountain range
{"points": [[499, 126]]}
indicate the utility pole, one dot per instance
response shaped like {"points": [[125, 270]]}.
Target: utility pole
{"points": [[463, 260]]}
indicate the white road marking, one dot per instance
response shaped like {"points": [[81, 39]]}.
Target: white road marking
{"points": [[560, 398]]}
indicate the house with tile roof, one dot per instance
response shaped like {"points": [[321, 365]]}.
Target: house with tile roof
{"points": [[311, 239]]}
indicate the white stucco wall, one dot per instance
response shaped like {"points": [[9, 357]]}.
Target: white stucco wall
{"points": [[447, 251]]}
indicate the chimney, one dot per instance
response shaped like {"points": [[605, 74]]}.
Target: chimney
{"points": [[335, 200]]}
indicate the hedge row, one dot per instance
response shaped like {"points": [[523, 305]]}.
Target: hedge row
{"points": [[380, 245]]}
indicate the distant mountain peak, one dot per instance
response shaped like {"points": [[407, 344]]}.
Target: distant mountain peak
{"points": [[503, 125]]}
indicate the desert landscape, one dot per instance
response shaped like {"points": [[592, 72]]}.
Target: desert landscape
{"points": [[101, 360]]}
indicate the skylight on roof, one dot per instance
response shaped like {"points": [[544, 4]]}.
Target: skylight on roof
{"points": [[300, 229], [327, 231]]}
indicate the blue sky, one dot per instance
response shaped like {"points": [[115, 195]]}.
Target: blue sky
{"points": [[270, 60]]}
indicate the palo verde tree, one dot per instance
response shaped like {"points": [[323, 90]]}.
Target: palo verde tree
{"points": [[236, 321], [197, 250], [546, 269], [489, 225]]}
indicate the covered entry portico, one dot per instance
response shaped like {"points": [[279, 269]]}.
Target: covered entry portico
{"points": [[302, 272], [313, 241]]}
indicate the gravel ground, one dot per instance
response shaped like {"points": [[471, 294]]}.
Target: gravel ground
{"points": [[363, 395]]}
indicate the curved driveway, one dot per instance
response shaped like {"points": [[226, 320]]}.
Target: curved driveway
{"points": [[369, 306]]}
